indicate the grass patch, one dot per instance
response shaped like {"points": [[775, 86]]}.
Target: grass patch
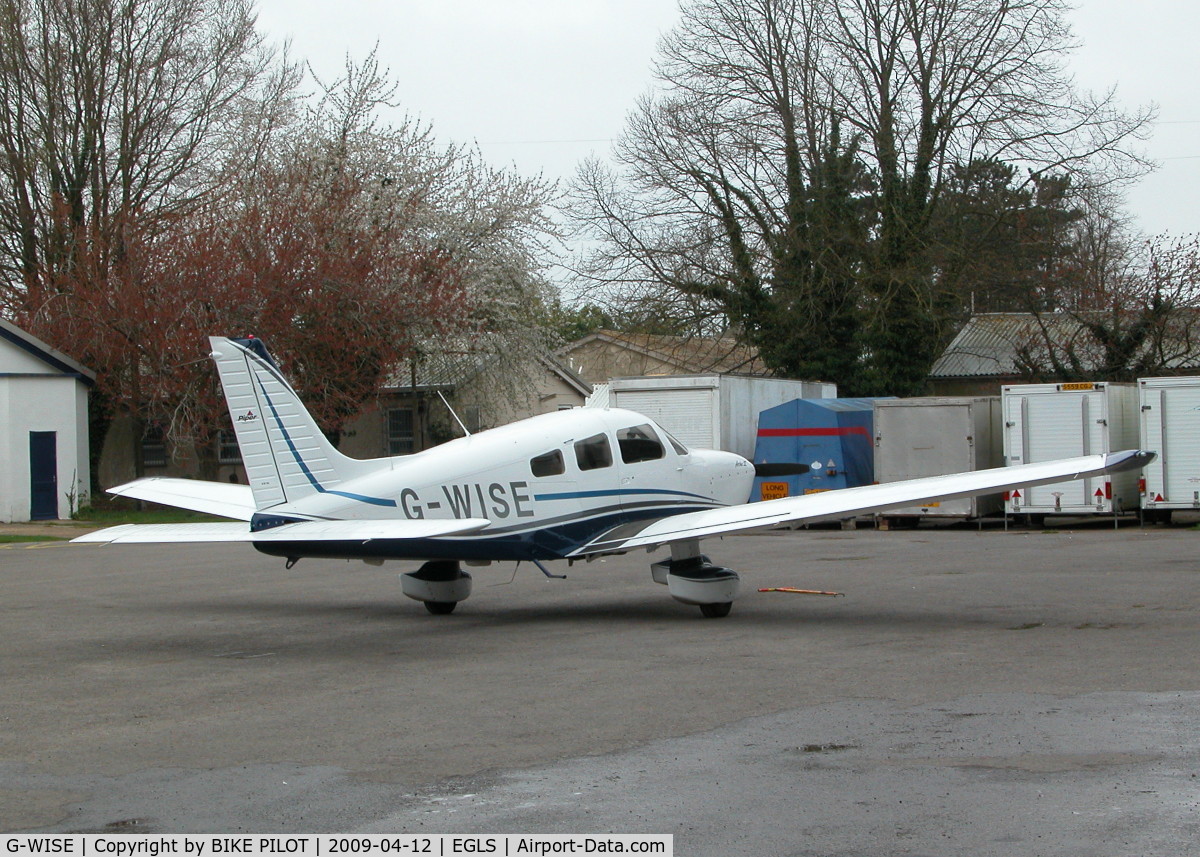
{"points": [[13, 540], [153, 514]]}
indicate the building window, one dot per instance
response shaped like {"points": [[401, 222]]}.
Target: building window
{"points": [[154, 446], [472, 418], [401, 436], [228, 451]]}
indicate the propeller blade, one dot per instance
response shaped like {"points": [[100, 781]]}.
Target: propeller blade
{"points": [[780, 468]]}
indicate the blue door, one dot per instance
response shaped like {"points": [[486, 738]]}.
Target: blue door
{"points": [[43, 475]]}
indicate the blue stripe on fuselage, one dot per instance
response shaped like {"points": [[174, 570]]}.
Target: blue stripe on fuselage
{"points": [[553, 542], [614, 492]]}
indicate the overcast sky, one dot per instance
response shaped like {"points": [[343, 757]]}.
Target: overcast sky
{"points": [[541, 84]]}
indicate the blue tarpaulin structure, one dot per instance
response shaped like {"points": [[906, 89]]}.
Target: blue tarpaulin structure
{"points": [[834, 437]]}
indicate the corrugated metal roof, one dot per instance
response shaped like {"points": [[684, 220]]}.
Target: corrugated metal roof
{"points": [[447, 370], [434, 371], [990, 343], [1019, 344], [691, 354]]}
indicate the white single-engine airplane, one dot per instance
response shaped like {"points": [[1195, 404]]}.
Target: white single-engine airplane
{"points": [[569, 485]]}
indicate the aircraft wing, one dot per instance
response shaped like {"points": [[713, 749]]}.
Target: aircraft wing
{"points": [[846, 502], [229, 500], [304, 531]]}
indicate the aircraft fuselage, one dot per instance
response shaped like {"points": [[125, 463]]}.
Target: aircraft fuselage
{"points": [[547, 485]]}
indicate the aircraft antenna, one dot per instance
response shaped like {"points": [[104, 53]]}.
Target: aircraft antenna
{"points": [[461, 424]]}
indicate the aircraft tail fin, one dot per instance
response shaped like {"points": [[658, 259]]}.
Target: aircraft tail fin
{"points": [[286, 455]]}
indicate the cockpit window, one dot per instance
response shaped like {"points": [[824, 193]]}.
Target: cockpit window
{"points": [[675, 444], [593, 453], [548, 464], [639, 443]]}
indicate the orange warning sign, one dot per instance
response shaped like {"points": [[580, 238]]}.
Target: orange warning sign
{"points": [[774, 490]]}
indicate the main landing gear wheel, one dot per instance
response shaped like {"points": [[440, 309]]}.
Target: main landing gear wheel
{"points": [[438, 584], [695, 580]]}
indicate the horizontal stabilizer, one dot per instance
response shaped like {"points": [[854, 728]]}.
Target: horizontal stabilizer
{"points": [[229, 500], [303, 531], [847, 502]]}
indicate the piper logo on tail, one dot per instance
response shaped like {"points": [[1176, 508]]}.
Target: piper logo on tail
{"points": [[247, 417]]}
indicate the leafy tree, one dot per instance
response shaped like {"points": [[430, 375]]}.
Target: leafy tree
{"points": [[349, 243], [792, 168], [1000, 241], [117, 118]]}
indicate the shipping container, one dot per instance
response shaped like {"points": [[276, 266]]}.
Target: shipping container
{"points": [[832, 436], [1047, 421], [711, 411], [936, 435], [1170, 426]]}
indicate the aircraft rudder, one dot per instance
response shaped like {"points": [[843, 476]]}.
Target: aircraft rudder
{"points": [[285, 453]]}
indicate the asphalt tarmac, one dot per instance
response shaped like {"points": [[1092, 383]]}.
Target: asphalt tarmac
{"points": [[984, 693]]}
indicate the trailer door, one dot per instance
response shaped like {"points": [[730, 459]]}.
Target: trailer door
{"points": [[689, 413], [927, 440], [1179, 451], [1063, 425]]}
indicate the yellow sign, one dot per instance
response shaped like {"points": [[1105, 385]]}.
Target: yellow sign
{"points": [[1079, 385], [774, 490]]}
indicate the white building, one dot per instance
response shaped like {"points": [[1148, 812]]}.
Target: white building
{"points": [[44, 472]]}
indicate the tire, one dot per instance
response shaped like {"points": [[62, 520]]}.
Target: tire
{"points": [[716, 611], [440, 608]]}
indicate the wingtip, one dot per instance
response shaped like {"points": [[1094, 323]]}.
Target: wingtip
{"points": [[1128, 459]]}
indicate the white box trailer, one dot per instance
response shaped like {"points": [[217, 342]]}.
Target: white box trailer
{"points": [[1170, 426], [711, 411], [935, 435], [1048, 421]]}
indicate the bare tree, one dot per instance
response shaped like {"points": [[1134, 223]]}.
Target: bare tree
{"points": [[791, 164], [1130, 309], [116, 110], [491, 225]]}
